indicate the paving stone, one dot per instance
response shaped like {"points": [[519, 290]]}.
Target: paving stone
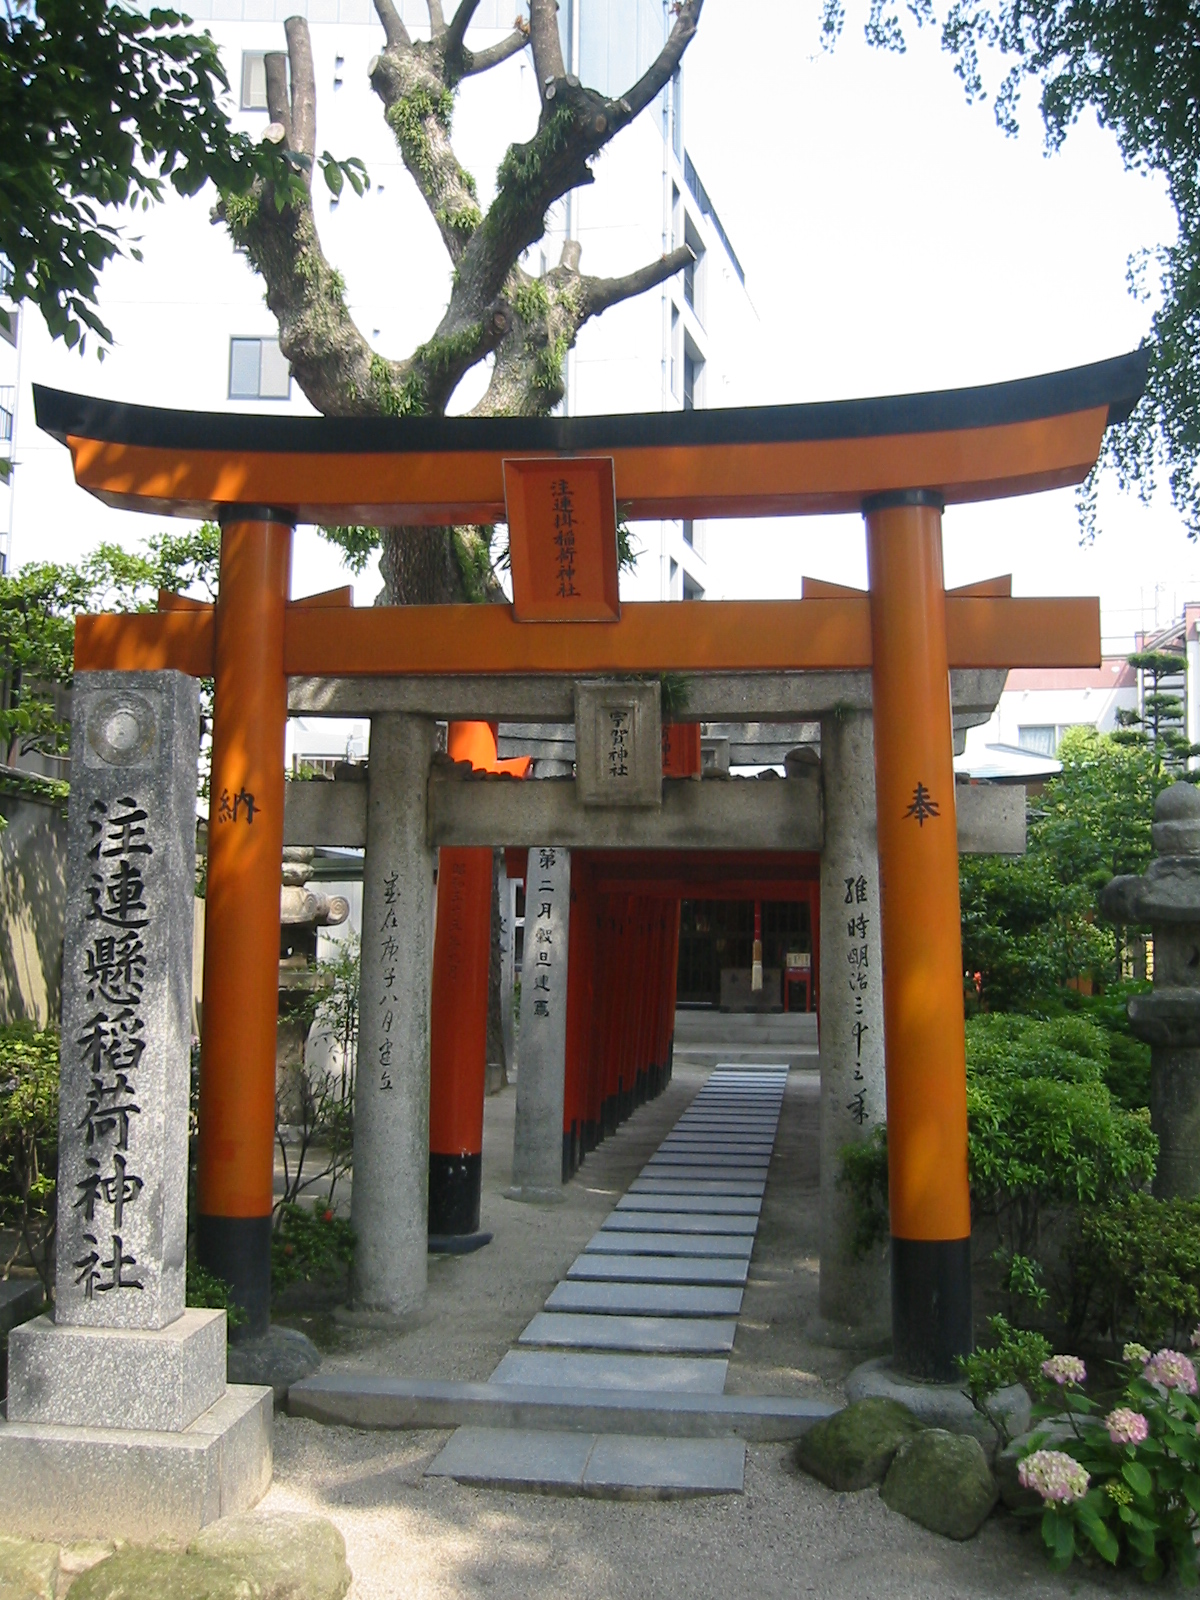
{"points": [[655, 1170], [652, 1335], [627, 1467], [682, 1222], [571, 1369], [514, 1458], [729, 1245], [658, 1269], [696, 1186], [644, 1299], [734, 1205]]}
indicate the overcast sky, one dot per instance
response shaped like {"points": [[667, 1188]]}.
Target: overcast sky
{"points": [[895, 240]]}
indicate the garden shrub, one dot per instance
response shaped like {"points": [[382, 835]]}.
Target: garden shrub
{"points": [[308, 1242], [28, 1145], [1135, 1270], [1045, 1134]]}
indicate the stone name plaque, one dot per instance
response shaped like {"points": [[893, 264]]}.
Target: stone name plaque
{"points": [[618, 743], [126, 1020]]}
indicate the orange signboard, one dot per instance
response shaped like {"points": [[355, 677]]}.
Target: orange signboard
{"points": [[562, 539]]}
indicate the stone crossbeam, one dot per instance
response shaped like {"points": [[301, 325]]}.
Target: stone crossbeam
{"points": [[733, 814]]}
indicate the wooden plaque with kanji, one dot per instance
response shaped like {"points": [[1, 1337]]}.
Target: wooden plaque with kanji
{"points": [[562, 534]]}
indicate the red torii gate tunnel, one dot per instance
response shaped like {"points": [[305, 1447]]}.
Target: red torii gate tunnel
{"points": [[898, 461]]}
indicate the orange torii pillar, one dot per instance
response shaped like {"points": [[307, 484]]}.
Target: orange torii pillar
{"points": [[458, 1017], [236, 1167], [929, 1201]]}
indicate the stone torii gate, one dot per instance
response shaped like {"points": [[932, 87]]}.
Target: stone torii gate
{"points": [[898, 461]]}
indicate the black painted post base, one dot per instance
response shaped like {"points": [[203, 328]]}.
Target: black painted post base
{"points": [[931, 1307], [455, 1185], [590, 1138], [238, 1251]]}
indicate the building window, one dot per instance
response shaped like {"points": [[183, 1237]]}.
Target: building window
{"points": [[258, 370], [677, 114], [676, 223], [689, 532], [691, 589], [1039, 740], [675, 351], [254, 80], [8, 404], [693, 273], [693, 371]]}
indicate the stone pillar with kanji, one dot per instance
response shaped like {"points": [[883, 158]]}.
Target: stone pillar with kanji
{"points": [[122, 1352]]}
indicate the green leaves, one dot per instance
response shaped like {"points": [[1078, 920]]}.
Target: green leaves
{"points": [[338, 173]]}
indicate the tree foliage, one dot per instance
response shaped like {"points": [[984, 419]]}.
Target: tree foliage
{"points": [[1161, 725], [38, 606], [103, 105], [1136, 67], [1029, 922]]}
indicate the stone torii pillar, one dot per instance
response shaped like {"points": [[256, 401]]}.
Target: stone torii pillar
{"points": [[391, 1093], [854, 1291]]}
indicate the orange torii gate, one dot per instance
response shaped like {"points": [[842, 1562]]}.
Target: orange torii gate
{"points": [[898, 461]]}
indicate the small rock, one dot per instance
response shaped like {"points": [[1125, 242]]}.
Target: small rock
{"points": [[291, 1556], [855, 1446], [942, 1481], [280, 1358], [140, 1574], [28, 1569]]}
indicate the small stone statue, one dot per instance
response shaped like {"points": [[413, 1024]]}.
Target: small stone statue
{"points": [[1167, 897]]}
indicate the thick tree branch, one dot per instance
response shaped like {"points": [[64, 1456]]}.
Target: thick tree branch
{"points": [[547, 45], [304, 87], [437, 20], [279, 105], [662, 69], [456, 32], [600, 293], [394, 30], [476, 61]]}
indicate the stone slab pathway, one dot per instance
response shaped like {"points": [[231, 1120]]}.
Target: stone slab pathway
{"points": [[652, 1299]]}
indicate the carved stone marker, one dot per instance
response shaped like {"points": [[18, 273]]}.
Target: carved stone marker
{"points": [[1167, 897], [537, 1137], [618, 742], [122, 1353]]}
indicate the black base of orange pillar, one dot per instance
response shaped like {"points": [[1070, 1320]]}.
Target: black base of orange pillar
{"points": [[455, 1185], [931, 1307], [238, 1251]]}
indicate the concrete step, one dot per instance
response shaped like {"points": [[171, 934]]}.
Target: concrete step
{"points": [[357, 1400], [599, 1466]]}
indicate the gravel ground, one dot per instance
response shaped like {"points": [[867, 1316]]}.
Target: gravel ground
{"points": [[418, 1539]]}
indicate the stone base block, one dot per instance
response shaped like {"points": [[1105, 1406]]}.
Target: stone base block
{"points": [[118, 1483], [153, 1380], [941, 1405]]}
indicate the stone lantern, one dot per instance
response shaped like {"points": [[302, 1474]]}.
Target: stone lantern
{"points": [[1167, 897]]}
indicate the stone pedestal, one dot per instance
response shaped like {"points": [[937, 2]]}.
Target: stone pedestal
{"points": [[120, 1422], [855, 1296], [391, 1104], [1167, 897], [537, 1137]]}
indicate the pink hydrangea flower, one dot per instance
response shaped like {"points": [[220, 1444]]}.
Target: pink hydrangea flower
{"points": [[1126, 1426], [1195, 1337], [1172, 1370], [1064, 1369], [1054, 1475]]}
